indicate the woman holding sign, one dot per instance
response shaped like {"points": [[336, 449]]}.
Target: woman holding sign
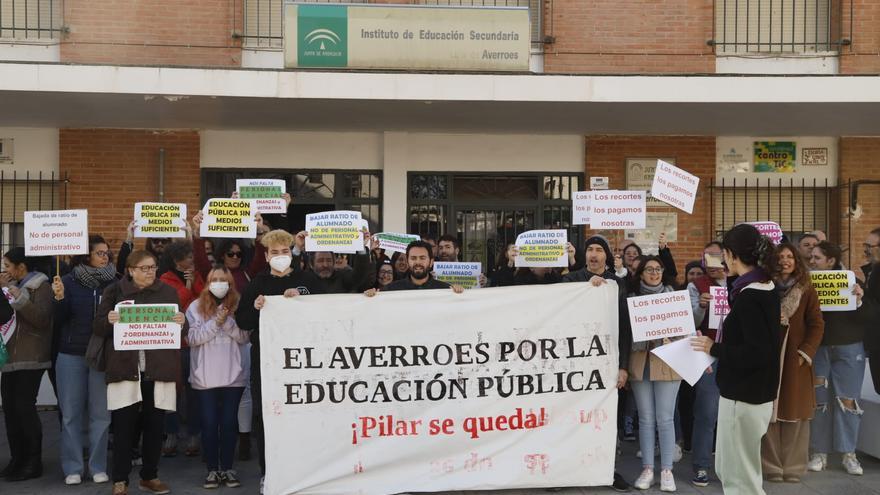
{"points": [[840, 370], [141, 384], [82, 391], [655, 386], [747, 347], [785, 447], [29, 356]]}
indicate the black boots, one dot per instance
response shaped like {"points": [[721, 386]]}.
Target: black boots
{"points": [[10, 468], [29, 469]]}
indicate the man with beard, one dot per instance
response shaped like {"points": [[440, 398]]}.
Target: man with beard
{"points": [[154, 246], [448, 249], [600, 270], [420, 258], [341, 280]]}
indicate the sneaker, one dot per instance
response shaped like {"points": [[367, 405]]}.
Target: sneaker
{"points": [[667, 481], [619, 484], [851, 464], [629, 433], [230, 478], [100, 478], [169, 446], [73, 479], [120, 488], [701, 478], [676, 456], [645, 480], [212, 480], [154, 486], [818, 462], [192, 447]]}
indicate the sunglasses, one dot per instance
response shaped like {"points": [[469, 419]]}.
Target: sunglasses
{"points": [[233, 254]]}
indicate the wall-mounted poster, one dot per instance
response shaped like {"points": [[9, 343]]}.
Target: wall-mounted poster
{"points": [[640, 176], [775, 156], [814, 157]]}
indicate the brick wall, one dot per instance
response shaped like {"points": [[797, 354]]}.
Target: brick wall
{"points": [[152, 32], [629, 36], [863, 57], [860, 160], [606, 156], [111, 169]]}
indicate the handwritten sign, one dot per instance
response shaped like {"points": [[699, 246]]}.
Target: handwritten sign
{"points": [[580, 208], [617, 210], [466, 275], [395, 243], [56, 232], [834, 288], [542, 248], [159, 219], [658, 316], [336, 231], [675, 186], [229, 218], [265, 194], [146, 327], [769, 229], [719, 306]]}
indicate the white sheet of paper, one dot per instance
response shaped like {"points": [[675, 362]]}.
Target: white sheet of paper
{"points": [[264, 202], [56, 232], [675, 186], [542, 249], [335, 231], [686, 361], [618, 210], [580, 208], [834, 288], [659, 316], [160, 220]]}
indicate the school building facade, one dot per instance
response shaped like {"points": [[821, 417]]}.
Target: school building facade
{"points": [[773, 105]]}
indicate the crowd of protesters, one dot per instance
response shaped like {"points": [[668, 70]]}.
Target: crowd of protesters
{"points": [[781, 398]]}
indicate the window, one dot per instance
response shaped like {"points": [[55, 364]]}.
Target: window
{"points": [[32, 20], [26, 192], [777, 26]]}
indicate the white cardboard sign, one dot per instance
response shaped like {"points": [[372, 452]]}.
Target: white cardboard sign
{"points": [[265, 194], [618, 210], [464, 274], [769, 229], [542, 249], [336, 231], [160, 220], [718, 307], [659, 316], [146, 327], [675, 186], [580, 208], [56, 232], [231, 218], [834, 288]]}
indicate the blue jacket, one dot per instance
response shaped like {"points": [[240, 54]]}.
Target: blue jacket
{"points": [[75, 314]]}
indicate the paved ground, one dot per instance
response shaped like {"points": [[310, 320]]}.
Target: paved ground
{"points": [[185, 475]]}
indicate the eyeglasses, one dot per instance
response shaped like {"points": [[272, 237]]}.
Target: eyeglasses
{"points": [[653, 270], [233, 254], [147, 268], [102, 254]]}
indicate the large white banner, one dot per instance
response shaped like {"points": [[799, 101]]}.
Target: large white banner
{"points": [[429, 391]]}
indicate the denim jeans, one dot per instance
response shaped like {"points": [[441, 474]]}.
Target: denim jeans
{"points": [[706, 396], [219, 410], [186, 402], [840, 370], [656, 403], [82, 396]]}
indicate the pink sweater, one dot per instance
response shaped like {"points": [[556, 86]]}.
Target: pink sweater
{"points": [[215, 353]]}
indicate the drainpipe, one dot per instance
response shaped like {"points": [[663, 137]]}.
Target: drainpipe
{"points": [[161, 175]]}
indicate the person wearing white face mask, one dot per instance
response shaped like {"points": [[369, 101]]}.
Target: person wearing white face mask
{"points": [[280, 280], [216, 372]]}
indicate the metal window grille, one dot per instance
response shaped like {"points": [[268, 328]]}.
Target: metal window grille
{"points": [[27, 192], [31, 20], [263, 19], [779, 26]]}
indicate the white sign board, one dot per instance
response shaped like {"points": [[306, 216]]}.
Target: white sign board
{"points": [[580, 208], [675, 186], [146, 327], [231, 218], [542, 248], [484, 408], [659, 316], [834, 288], [464, 274], [336, 231], [56, 232], [719, 306], [265, 194], [395, 243], [160, 220], [617, 210]]}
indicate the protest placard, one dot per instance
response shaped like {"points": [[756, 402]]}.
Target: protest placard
{"points": [[580, 208], [265, 194], [337, 231], [675, 186], [769, 229], [657, 316], [395, 243], [688, 362], [229, 218], [159, 219], [719, 306], [834, 288], [617, 210], [56, 232], [542, 248], [146, 326], [524, 399], [466, 275]]}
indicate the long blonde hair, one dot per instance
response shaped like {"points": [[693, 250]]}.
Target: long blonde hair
{"points": [[208, 302]]}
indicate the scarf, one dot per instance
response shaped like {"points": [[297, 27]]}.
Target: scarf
{"points": [[647, 290], [790, 295], [92, 277], [756, 275]]}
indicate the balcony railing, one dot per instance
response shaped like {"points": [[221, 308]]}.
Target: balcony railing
{"points": [[262, 19], [31, 20], [780, 26]]}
